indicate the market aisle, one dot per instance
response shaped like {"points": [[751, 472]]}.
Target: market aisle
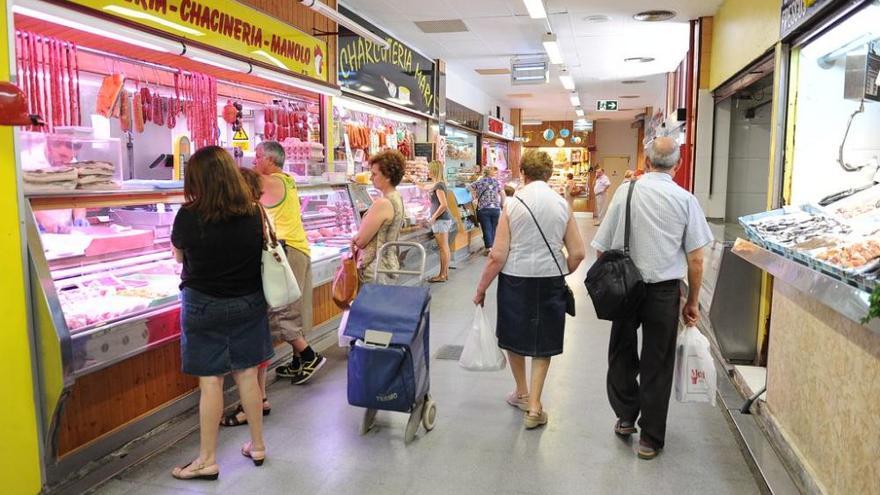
{"points": [[479, 444]]}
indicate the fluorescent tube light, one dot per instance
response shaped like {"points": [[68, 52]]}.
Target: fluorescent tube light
{"points": [[332, 14], [536, 9], [270, 58], [530, 78], [271, 75], [211, 58], [551, 46], [372, 110], [575, 100], [93, 25], [532, 122], [567, 81]]}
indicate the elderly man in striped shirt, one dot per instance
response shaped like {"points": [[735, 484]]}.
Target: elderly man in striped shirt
{"points": [[669, 231]]}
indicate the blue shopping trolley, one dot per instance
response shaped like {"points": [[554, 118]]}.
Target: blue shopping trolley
{"points": [[388, 359]]}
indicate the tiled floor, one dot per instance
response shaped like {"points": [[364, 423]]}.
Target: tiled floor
{"points": [[479, 445]]}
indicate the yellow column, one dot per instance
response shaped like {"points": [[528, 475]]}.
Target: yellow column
{"points": [[20, 456]]}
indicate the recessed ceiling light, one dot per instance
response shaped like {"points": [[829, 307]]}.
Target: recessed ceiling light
{"points": [[654, 15], [639, 60], [597, 18], [627, 97], [633, 81]]}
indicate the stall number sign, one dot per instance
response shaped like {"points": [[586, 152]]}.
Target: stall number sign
{"points": [[499, 128], [228, 26], [241, 140], [606, 106]]}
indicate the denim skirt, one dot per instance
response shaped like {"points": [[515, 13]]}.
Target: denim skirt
{"points": [[531, 315], [223, 334]]}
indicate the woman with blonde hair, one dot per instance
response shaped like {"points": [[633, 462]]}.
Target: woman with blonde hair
{"points": [[441, 221], [224, 319], [531, 265]]}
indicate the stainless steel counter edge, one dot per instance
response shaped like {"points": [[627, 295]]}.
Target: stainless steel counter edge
{"points": [[847, 300]]}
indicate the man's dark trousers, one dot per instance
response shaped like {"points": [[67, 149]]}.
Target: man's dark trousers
{"points": [[658, 317]]}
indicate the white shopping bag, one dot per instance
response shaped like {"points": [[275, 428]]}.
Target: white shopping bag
{"points": [[694, 368], [481, 352], [340, 332]]}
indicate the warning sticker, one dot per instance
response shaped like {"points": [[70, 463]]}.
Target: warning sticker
{"points": [[240, 135]]}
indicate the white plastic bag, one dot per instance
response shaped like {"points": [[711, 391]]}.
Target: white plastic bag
{"points": [[481, 352], [694, 368], [343, 341]]}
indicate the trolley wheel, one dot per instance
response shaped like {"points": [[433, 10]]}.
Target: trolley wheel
{"points": [[368, 421], [429, 415], [412, 425]]}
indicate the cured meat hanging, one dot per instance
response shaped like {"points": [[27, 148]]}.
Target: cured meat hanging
{"points": [[200, 108], [48, 73]]}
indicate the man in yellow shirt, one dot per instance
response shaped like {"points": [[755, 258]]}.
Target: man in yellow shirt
{"points": [[281, 200]]}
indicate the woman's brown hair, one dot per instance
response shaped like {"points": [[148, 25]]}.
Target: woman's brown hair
{"points": [[536, 165], [391, 163], [214, 188]]}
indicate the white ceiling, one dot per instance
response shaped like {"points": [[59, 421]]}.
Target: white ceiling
{"points": [[594, 52]]}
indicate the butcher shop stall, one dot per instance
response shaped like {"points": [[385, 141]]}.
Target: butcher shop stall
{"points": [[127, 91]]}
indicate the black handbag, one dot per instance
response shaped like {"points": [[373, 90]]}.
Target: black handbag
{"points": [[614, 282], [569, 295]]}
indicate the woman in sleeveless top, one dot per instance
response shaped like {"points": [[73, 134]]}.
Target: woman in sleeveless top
{"points": [[384, 219], [531, 280]]}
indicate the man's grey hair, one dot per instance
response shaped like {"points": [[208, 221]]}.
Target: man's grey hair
{"points": [[274, 151], [660, 158]]}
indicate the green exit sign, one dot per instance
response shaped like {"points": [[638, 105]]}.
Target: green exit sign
{"points": [[607, 106]]}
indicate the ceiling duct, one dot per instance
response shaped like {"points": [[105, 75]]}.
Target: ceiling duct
{"points": [[529, 70]]}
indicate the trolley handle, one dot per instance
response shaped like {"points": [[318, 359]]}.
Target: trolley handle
{"points": [[415, 245]]}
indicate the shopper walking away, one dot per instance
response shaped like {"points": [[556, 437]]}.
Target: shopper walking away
{"points": [[669, 231], [570, 191], [384, 219], [489, 196], [441, 221], [223, 312], [291, 324], [254, 182], [531, 290], [600, 187]]}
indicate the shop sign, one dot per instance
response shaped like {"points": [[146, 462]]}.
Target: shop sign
{"points": [[228, 26], [396, 74], [498, 127], [606, 105], [796, 12]]}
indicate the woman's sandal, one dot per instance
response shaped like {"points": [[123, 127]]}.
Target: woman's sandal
{"points": [[198, 473], [436, 279], [232, 418], [258, 456]]}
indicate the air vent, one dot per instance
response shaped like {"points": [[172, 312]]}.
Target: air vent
{"points": [[445, 26], [639, 60], [520, 95], [597, 19], [633, 81], [654, 15], [627, 97], [529, 70], [493, 72]]}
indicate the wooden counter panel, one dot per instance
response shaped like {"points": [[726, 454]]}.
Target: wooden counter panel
{"points": [[323, 307], [103, 401]]}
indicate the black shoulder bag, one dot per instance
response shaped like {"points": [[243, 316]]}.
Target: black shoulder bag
{"points": [[569, 295], [614, 282]]}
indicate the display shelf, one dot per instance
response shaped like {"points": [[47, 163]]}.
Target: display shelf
{"points": [[847, 300]]}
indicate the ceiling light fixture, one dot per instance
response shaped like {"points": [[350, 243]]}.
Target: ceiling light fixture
{"points": [[579, 111], [598, 18], [271, 75], [575, 99], [532, 122], [536, 9], [89, 24], [654, 15], [639, 60], [551, 46], [566, 80], [529, 70], [211, 58], [333, 15]]}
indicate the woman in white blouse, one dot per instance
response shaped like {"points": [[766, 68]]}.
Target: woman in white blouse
{"points": [[531, 284]]}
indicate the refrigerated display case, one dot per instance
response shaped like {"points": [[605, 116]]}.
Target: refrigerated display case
{"points": [[329, 219], [69, 159]]}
